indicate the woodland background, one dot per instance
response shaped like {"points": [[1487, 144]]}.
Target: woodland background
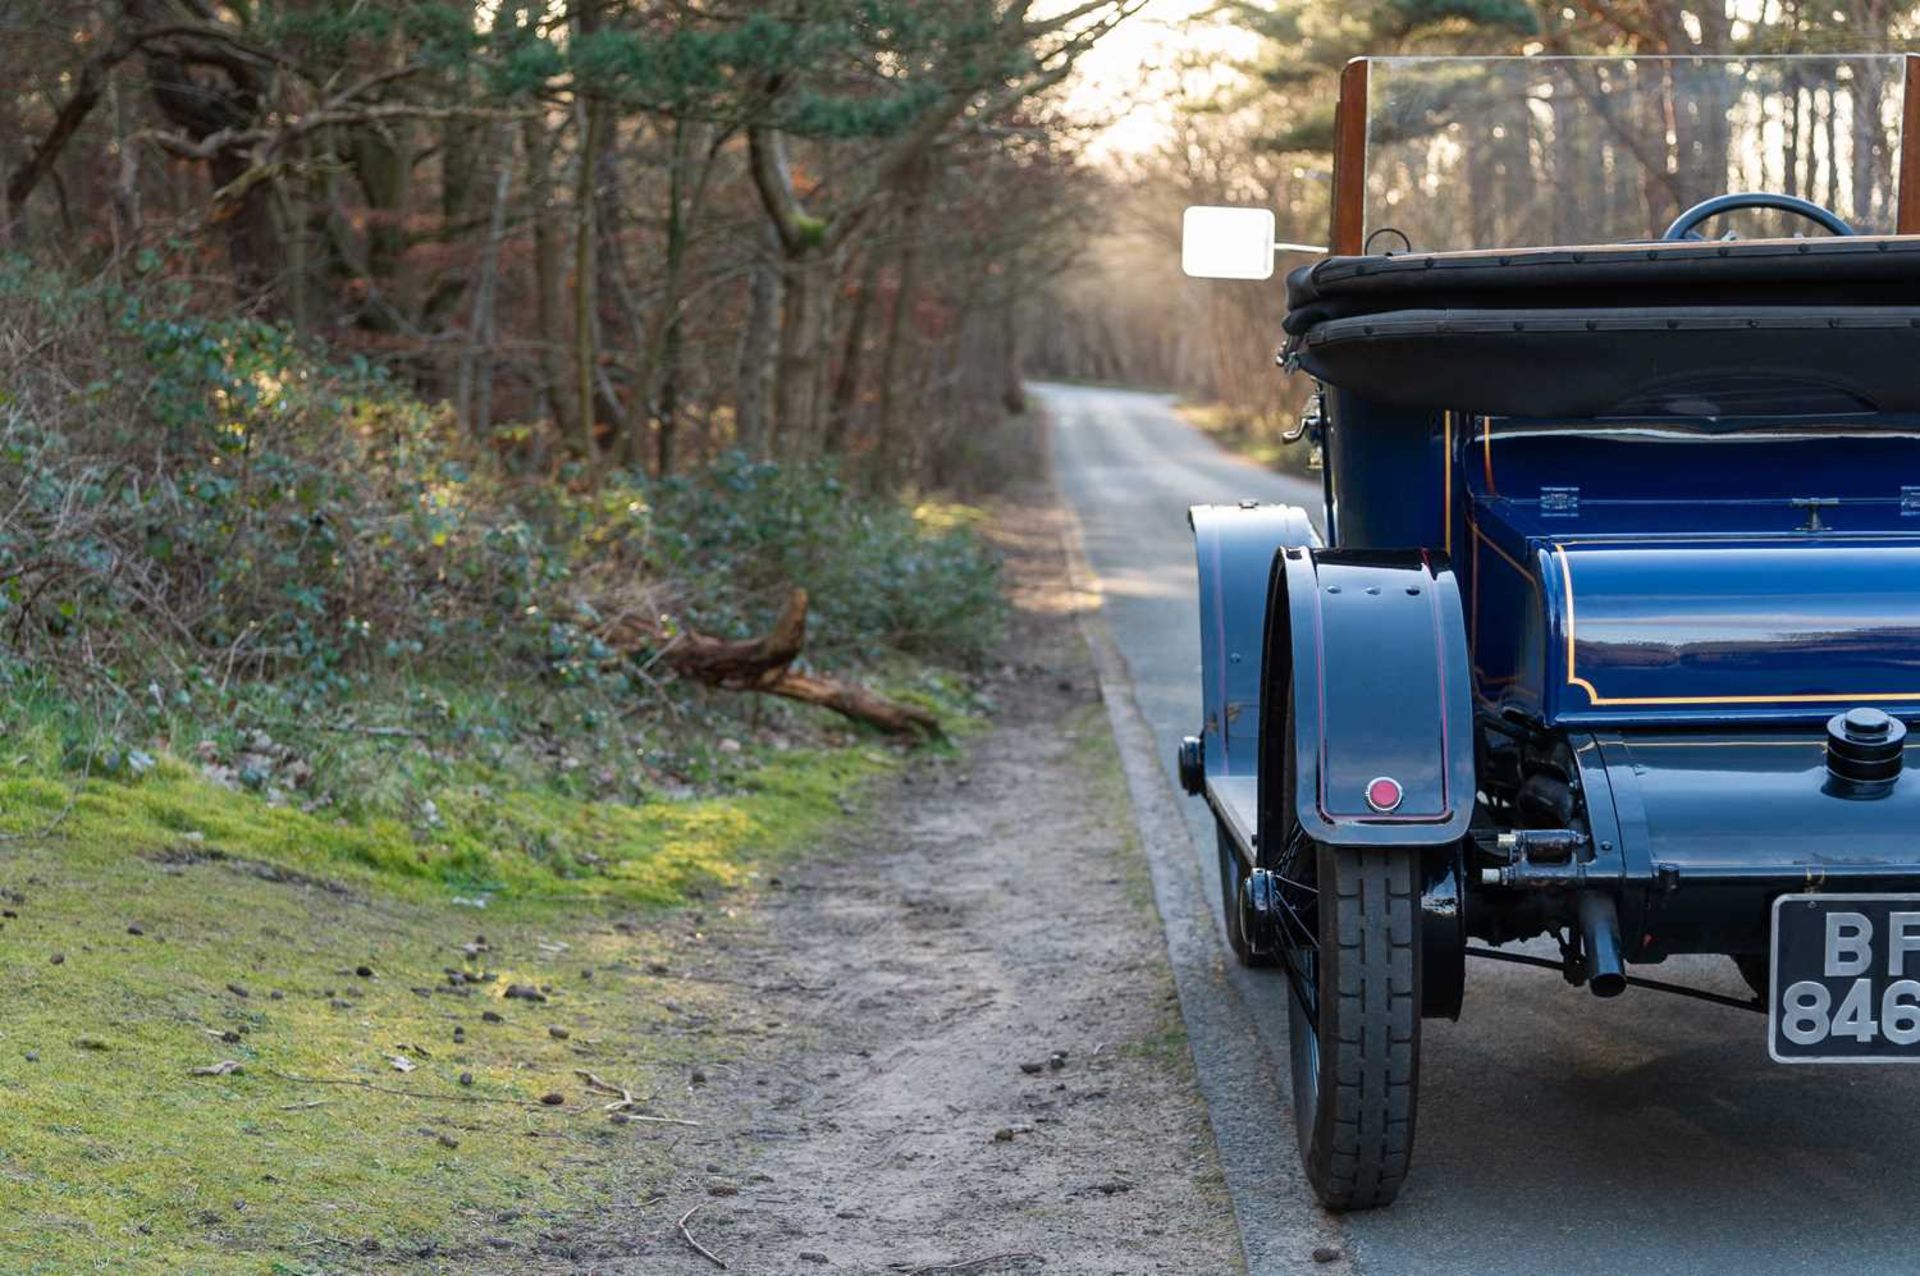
{"points": [[622, 233], [426, 428], [1259, 132]]}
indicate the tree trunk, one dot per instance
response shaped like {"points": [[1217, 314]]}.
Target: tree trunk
{"points": [[753, 403], [252, 241], [846, 386], [384, 170], [585, 356], [891, 447], [474, 394], [809, 277], [660, 351], [547, 281]]}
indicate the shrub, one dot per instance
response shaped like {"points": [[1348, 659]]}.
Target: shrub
{"points": [[737, 534], [193, 502]]}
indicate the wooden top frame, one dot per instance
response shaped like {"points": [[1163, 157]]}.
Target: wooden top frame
{"points": [[1348, 235]]}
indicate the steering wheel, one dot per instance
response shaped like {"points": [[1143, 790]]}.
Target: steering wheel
{"points": [[1687, 225]]}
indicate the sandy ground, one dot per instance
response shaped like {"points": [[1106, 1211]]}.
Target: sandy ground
{"points": [[970, 1057]]}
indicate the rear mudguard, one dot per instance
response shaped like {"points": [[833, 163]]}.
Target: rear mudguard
{"points": [[1235, 546], [1373, 645]]}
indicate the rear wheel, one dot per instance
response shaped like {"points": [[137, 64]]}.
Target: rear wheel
{"points": [[1233, 877], [1355, 1016]]}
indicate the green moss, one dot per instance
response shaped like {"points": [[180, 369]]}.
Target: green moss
{"points": [[482, 834], [115, 1157]]}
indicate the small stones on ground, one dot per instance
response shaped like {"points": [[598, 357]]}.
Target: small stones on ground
{"points": [[90, 1043], [1031, 1067], [365, 972], [491, 1016], [58, 959], [134, 928], [276, 995], [1057, 1060], [449, 1142], [699, 1077], [1003, 1135], [466, 1078], [553, 1100], [239, 991], [721, 1187], [33, 1056], [813, 1256], [524, 992], [1326, 1254], [558, 1033]]}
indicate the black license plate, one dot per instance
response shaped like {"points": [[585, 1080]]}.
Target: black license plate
{"points": [[1846, 979]]}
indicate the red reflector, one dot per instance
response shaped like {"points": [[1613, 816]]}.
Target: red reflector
{"points": [[1383, 794]]}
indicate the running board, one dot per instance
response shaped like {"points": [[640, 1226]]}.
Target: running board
{"points": [[1235, 800]]}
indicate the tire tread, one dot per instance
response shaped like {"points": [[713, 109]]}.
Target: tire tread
{"points": [[1370, 1026]]}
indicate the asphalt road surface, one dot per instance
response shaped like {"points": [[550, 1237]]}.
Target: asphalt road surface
{"points": [[1559, 1135]]}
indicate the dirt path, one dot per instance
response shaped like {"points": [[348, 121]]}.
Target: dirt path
{"points": [[971, 1047]]}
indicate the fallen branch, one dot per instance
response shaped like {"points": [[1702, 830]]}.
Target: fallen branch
{"points": [[698, 1248], [765, 665], [659, 1120], [623, 1097]]}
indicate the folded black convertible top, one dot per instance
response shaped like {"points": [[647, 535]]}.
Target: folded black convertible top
{"points": [[1693, 328]]}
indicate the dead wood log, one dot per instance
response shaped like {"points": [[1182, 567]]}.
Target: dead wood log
{"points": [[765, 664]]}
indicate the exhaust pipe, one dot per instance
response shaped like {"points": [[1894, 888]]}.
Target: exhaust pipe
{"points": [[1600, 938]]}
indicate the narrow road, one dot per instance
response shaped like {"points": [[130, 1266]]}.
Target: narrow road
{"points": [[1559, 1135]]}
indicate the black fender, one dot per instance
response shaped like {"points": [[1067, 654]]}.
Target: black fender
{"points": [[1371, 646], [1235, 548]]}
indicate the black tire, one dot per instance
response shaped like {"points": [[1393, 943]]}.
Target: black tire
{"points": [[1356, 1070], [1233, 873]]}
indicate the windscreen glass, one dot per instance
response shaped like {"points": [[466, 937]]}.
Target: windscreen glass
{"points": [[1524, 152]]}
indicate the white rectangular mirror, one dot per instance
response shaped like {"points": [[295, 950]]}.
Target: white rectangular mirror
{"points": [[1227, 243]]}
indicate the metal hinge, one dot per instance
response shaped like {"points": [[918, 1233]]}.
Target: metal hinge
{"points": [[1311, 421]]}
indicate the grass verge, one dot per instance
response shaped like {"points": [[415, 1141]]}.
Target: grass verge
{"points": [[386, 1107]]}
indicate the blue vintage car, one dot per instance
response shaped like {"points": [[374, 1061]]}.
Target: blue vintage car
{"points": [[1611, 624]]}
